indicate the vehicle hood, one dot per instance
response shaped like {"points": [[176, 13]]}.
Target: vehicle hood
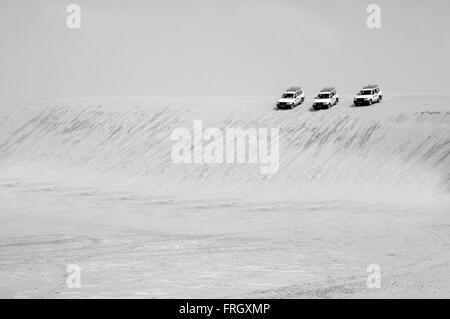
{"points": [[322, 100], [363, 96], [286, 100]]}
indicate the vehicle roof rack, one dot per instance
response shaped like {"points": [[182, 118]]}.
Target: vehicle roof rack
{"points": [[294, 89], [327, 89], [370, 86]]}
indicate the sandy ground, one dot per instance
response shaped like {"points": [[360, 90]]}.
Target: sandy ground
{"points": [[91, 183], [132, 245]]}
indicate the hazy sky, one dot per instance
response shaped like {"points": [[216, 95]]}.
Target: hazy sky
{"points": [[209, 47]]}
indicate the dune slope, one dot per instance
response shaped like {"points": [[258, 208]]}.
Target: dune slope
{"points": [[398, 149]]}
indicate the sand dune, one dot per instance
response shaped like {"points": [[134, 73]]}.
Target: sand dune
{"points": [[91, 182], [396, 150]]}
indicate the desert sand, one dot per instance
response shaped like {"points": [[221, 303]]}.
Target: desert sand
{"points": [[90, 182]]}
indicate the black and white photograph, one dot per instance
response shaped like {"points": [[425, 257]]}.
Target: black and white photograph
{"points": [[224, 149]]}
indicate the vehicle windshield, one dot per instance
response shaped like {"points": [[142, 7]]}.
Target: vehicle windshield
{"points": [[323, 96], [365, 92], [288, 96]]}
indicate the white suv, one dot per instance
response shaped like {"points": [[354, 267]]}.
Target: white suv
{"points": [[368, 95], [326, 98], [291, 98]]}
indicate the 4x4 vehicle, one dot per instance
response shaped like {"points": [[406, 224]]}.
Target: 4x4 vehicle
{"points": [[368, 95], [291, 98], [326, 98], [377, 89]]}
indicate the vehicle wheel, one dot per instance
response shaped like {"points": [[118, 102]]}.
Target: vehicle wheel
{"points": [[329, 105], [337, 100], [370, 102], [302, 100]]}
